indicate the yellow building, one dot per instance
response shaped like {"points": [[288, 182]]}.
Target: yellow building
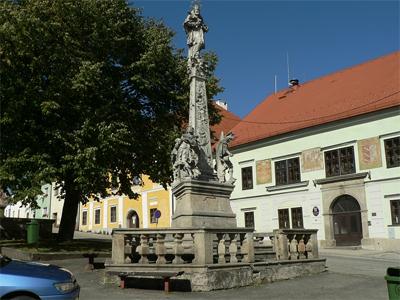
{"points": [[123, 212]]}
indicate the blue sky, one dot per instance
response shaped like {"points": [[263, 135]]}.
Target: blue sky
{"points": [[252, 40]]}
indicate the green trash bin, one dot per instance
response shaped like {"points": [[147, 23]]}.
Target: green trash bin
{"points": [[32, 232], [393, 283]]}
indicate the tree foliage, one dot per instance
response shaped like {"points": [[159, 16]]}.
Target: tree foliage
{"points": [[90, 91]]}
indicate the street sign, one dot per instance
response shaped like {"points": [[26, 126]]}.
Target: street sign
{"points": [[157, 214]]}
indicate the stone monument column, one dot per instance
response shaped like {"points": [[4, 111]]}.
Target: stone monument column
{"points": [[202, 198], [199, 121]]}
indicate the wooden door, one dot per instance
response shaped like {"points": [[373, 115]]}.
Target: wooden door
{"points": [[347, 221]]}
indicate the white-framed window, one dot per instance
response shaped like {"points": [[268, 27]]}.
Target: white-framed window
{"points": [[84, 217], [97, 216], [249, 219], [395, 211], [113, 214], [392, 152], [340, 161], [153, 218], [287, 171]]}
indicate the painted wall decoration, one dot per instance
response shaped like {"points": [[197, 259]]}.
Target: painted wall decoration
{"points": [[312, 160], [263, 171], [369, 153]]}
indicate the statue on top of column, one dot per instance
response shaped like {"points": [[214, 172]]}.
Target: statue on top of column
{"points": [[195, 28]]}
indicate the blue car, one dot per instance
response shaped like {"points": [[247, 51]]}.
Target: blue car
{"points": [[21, 280]]}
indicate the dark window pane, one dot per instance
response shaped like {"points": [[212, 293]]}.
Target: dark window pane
{"points": [[354, 223], [97, 216], [297, 217], [113, 214], [280, 172], [84, 218], [287, 171], [283, 217], [247, 178], [293, 170], [345, 203], [339, 162], [249, 219], [395, 211], [392, 152]]}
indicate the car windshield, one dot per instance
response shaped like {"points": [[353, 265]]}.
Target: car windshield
{"points": [[4, 260]]}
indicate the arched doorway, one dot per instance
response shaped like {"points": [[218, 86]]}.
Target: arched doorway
{"points": [[347, 226], [132, 219]]}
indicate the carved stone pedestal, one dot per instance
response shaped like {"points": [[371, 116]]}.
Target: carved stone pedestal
{"points": [[203, 204]]}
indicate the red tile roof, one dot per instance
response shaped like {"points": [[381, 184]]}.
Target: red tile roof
{"points": [[228, 121], [361, 89]]}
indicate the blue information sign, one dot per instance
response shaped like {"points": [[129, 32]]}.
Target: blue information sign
{"points": [[157, 214]]}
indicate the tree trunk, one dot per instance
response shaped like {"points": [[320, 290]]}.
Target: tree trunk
{"points": [[69, 212]]}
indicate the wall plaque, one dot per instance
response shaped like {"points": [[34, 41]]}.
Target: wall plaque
{"points": [[369, 153], [311, 160], [263, 171], [315, 211]]}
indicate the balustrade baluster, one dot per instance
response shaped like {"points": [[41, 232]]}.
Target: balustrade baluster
{"points": [[221, 248], [188, 243], [143, 249], [289, 239], [178, 248], [301, 248], [272, 240], [309, 248], [160, 248], [233, 248], [241, 243], [128, 249], [247, 248], [293, 248]]}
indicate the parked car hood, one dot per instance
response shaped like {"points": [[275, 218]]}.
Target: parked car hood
{"points": [[38, 270]]}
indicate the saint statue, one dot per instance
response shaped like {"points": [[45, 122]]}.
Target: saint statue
{"points": [[195, 28], [223, 155]]}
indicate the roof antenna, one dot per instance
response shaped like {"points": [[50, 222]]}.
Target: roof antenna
{"points": [[287, 65], [276, 79]]}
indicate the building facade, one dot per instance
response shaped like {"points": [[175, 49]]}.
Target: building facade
{"points": [[122, 212], [325, 155], [49, 202]]}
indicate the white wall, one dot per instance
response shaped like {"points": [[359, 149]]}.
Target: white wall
{"points": [[383, 182], [56, 204]]}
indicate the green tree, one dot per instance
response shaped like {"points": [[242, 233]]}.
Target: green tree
{"points": [[90, 91]]}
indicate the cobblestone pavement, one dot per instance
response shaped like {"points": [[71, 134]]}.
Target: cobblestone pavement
{"points": [[346, 278], [351, 274]]}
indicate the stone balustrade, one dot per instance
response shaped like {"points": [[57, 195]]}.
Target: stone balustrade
{"points": [[295, 244], [182, 246], [264, 238]]}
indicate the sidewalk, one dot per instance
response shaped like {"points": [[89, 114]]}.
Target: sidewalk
{"points": [[361, 253]]}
